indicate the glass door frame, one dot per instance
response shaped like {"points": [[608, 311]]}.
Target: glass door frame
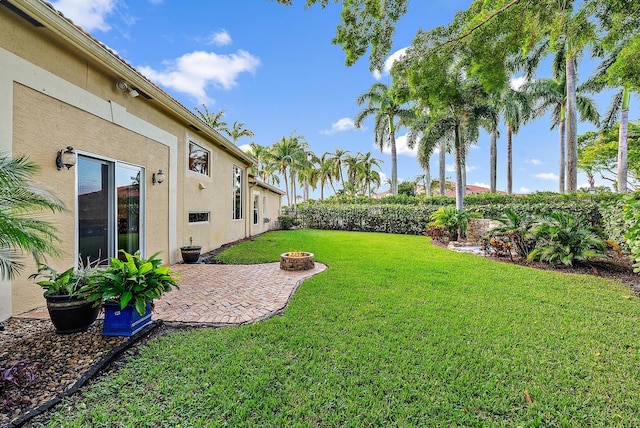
{"points": [[113, 204]]}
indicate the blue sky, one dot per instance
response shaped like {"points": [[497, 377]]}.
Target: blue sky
{"points": [[274, 69]]}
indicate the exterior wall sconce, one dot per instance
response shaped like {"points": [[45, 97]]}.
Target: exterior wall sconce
{"points": [[157, 177], [66, 158]]}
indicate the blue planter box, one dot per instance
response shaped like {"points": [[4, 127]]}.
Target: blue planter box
{"points": [[124, 322]]}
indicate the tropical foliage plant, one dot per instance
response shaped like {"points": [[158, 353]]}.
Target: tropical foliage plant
{"points": [[566, 239], [20, 205], [516, 229], [67, 283], [134, 280]]}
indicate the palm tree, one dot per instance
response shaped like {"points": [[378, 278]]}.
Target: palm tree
{"points": [[369, 175], [306, 172], [265, 169], [324, 173], [338, 159], [214, 120], [238, 131], [459, 116], [417, 128], [286, 153], [515, 107], [20, 204], [619, 107], [551, 95], [354, 171], [388, 116]]}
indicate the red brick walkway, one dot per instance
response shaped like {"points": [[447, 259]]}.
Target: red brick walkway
{"points": [[224, 294]]}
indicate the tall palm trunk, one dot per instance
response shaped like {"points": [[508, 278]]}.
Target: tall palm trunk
{"points": [[464, 174], [442, 165], [394, 158], [459, 166], [294, 195], [306, 189], [561, 172], [509, 160], [286, 186], [623, 145], [427, 181], [572, 124], [493, 160]]}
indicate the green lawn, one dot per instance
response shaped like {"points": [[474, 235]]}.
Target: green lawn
{"points": [[396, 332]]}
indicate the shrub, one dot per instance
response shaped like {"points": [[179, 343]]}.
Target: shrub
{"points": [[565, 239], [287, 222], [454, 221], [631, 210], [516, 230]]}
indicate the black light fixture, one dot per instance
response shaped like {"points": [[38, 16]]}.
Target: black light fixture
{"points": [[157, 177], [66, 158]]}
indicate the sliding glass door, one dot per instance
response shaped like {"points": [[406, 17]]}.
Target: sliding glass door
{"points": [[109, 208]]}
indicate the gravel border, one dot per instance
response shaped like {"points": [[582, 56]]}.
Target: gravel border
{"points": [[26, 326]]}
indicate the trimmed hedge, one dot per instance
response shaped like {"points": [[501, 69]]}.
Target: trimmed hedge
{"points": [[411, 219], [401, 219]]}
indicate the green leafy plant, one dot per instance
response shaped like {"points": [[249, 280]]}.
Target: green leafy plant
{"points": [[133, 280], [516, 229], [67, 283], [454, 221], [565, 239], [631, 213]]}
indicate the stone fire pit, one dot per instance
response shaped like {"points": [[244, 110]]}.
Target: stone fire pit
{"points": [[296, 260]]}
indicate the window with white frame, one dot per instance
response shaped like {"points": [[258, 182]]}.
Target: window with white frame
{"points": [[256, 201], [198, 159], [237, 192]]}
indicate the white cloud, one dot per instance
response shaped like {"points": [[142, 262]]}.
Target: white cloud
{"points": [[377, 74], [534, 161], [88, 14], [245, 147], [344, 124], [517, 82], [402, 148], [524, 190], [546, 176], [480, 184], [450, 167], [193, 72], [221, 38], [470, 168]]}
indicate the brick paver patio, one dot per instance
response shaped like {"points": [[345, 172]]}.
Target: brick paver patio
{"points": [[224, 294]]}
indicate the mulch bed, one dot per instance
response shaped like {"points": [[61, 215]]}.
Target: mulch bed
{"points": [[614, 266]]}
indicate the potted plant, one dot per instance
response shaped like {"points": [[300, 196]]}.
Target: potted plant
{"points": [[128, 288], [66, 295], [190, 253]]}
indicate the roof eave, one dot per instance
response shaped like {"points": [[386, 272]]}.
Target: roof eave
{"points": [[65, 29]]}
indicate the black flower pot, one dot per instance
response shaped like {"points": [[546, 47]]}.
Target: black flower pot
{"points": [[70, 314], [191, 253]]}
